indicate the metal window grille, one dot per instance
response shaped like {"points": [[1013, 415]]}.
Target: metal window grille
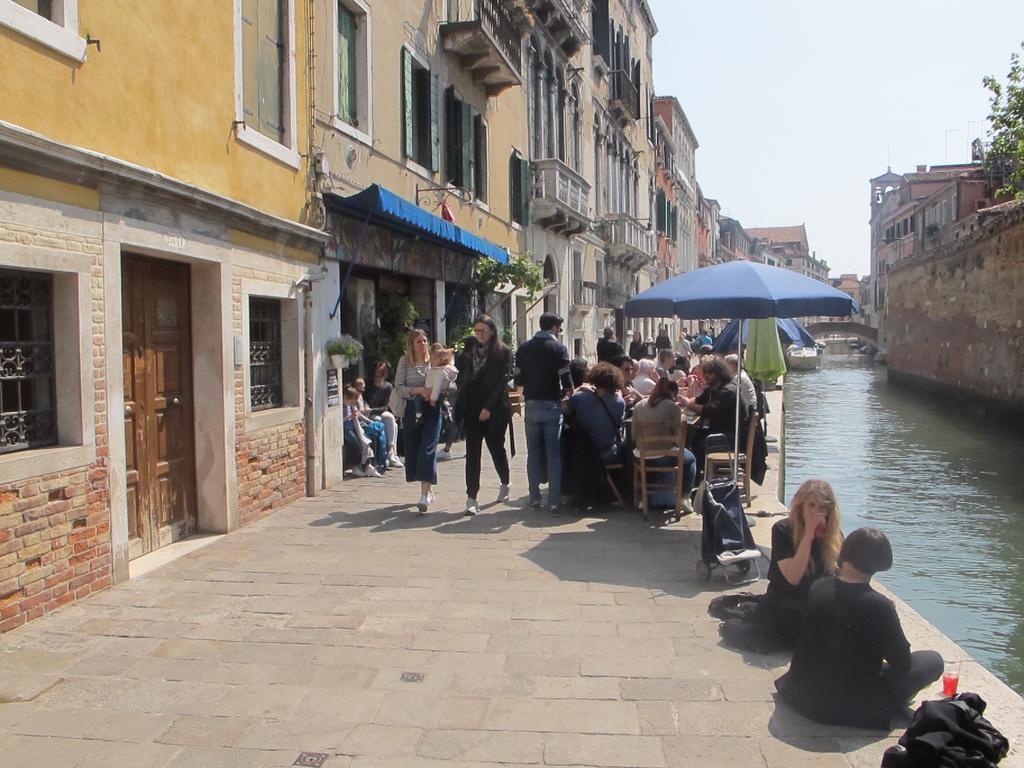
{"points": [[265, 354], [28, 411]]}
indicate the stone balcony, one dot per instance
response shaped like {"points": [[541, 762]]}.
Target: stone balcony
{"points": [[584, 296], [561, 198], [486, 36], [624, 99], [565, 20], [629, 242]]}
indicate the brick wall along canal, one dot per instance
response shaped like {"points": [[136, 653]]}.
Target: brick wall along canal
{"points": [[946, 486]]}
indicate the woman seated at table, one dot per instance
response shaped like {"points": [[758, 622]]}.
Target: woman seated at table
{"points": [[646, 377], [655, 417], [716, 406], [599, 409]]}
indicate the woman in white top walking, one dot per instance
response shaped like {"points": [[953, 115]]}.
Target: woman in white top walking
{"points": [[421, 435]]}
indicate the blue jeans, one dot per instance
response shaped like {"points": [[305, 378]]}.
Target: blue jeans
{"points": [[421, 443], [544, 439]]}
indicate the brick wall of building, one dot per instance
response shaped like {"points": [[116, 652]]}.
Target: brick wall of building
{"points": [[954, 314], [55, 544], [271, 462]]}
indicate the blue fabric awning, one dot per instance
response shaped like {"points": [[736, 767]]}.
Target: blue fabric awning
{"points": [[380, 206]]}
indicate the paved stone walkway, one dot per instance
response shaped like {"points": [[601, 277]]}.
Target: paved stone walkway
{"points": [[350, 626]]}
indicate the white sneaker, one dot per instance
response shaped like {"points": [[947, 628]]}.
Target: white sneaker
{"points": [[425, 501], [394, 462], [471, 507], [504, 493], [443, 455], [358, 472], [373, 472]]}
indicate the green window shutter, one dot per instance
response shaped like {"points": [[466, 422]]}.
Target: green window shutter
{"points": [[271, 54], [525, 190], [659, 211], [435, 133], [347, 65], [480, 161], [513, 188], [452, 161], [407, 105], [466, 136], [250, 68]]}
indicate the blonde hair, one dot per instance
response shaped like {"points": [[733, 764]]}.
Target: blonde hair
{"points": [[410, 354], [833, 539], [444, 355]]}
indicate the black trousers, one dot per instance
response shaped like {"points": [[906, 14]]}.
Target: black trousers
{"points": [[493, 432]]}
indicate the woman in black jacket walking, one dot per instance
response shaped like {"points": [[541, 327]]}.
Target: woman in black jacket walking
{"points": [[483, 406]]}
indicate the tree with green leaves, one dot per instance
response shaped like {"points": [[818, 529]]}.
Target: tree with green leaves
{"points": [[1005, 155]]}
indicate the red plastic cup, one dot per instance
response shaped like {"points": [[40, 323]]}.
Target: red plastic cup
{"points": [[950, 681]]}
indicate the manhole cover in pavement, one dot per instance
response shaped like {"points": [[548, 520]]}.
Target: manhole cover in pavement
{"points": [[412, 677], [314, 759]]}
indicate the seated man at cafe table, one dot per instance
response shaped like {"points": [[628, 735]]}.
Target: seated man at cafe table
{"points": [[628, 367], [716, 406]]}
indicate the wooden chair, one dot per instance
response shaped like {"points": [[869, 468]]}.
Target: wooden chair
{"points": [[659, 446], [719, 463], [515, 399]]}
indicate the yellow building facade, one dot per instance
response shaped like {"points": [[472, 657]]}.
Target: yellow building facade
{"points": [[156, 257]]}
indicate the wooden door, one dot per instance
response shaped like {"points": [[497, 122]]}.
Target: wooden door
{"points": [[158, 413]]}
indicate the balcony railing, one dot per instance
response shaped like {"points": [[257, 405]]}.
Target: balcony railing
{"points": [[487, 36], [625, 98], [561, 197], [627, 238], [584, 294], [565, 20]]}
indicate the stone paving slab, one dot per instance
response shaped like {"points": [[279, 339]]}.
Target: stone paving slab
{"points": [[352, 626]]}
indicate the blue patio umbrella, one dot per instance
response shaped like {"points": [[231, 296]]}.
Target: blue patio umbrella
{"points": [[744, 290]]}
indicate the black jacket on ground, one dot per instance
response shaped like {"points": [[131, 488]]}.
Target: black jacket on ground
{"points": [[950, 733], [486, 389], [608, 350], [542, 368]]}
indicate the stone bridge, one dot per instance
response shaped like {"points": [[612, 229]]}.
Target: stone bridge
{"points": [[843, 328]]}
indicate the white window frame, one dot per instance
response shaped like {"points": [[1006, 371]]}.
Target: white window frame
{"points": [[291, 354], [286, 152], [60, 36], [364, 88], [73, 369]]}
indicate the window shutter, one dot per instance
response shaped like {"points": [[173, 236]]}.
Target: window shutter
{"points": [[451, 132], [525, 190], [481, 159], [513, 187], [407, 104], [250, 59], [659, 211], [435, 133], [347, 65], [271, 48], [466, 133]]}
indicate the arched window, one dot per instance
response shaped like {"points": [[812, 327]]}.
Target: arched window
{"points": [[560, 145], [577, 130], [536, 99], [550, 278], [548, 84]]}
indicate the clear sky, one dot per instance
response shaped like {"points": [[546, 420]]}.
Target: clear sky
{"points": [[797, 103]]}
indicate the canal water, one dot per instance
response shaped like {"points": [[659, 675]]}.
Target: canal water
{"points": [[945, 485]]}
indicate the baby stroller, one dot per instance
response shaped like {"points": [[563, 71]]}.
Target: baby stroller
{"points": [[725, 535]]}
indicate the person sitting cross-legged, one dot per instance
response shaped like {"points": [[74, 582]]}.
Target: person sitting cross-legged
{"points": [[853, 665]]}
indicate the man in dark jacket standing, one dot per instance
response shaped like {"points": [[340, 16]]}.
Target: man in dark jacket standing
{"points": [[542, 369], [608, 348]]}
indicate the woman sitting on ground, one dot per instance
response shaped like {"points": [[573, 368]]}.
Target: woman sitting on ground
{"points": [[656, 417], [805, 547], [852, 665]]}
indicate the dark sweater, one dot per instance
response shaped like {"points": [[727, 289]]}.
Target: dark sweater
{"points": [[486, 388], [837, 675], [783, 548], [542, 368], [608, 350]]}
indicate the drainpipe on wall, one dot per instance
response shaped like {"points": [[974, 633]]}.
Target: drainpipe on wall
{"points": [[306, 286]]}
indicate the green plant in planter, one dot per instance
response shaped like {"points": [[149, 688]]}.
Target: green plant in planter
{"points": [[395, 318], [345, 346]]}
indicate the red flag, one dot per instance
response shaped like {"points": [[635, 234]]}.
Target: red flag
{"points": [[446, 211]]}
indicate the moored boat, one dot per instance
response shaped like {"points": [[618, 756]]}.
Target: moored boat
{"points": [[802, 358]]}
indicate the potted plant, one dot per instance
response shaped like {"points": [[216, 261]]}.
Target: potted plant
{"points": [[343, 350]]}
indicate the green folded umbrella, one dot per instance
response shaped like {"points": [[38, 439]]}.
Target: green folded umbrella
{"points": [[764, 358]]}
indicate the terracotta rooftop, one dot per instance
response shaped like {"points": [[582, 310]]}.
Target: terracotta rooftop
{"points": [[797, 234]]}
